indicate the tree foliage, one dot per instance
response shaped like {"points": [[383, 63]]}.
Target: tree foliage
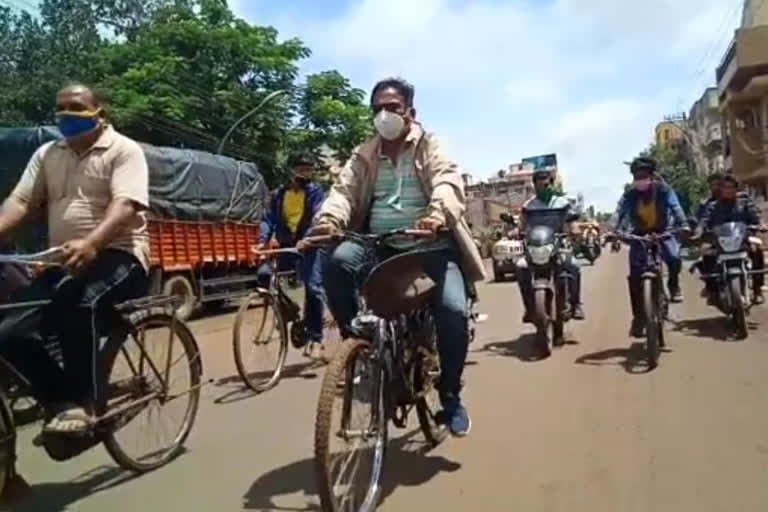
{"points": [[179, 73]]}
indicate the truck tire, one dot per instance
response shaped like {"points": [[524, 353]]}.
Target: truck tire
{"points": [[181, 286]]}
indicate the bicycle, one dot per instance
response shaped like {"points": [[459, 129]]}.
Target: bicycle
{"points": [[391, 359], [287, 323], [120, 399], [655, 300]]}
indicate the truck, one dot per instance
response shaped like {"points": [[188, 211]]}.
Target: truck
{"points": [[204, 218], [507, 250]]}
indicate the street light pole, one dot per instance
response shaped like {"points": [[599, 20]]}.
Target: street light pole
{"points": [[269, 97]]}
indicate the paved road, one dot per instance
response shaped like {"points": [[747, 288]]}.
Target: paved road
{"points": [[585, 430]]}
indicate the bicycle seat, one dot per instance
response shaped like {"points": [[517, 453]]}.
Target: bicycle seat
{"points": [[398, 285]]}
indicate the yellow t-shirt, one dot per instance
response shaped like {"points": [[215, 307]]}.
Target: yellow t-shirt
{"points": [[646, 214], [293, 208]]}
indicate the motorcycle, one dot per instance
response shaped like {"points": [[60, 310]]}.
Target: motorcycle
{"points": [[548, 251], [729, 245], [589, 247]]}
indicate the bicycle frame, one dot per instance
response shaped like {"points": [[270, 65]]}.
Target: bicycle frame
{"points": [[48, 258]]}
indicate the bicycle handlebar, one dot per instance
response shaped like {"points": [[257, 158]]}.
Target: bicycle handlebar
{"points": [[629, 237], [47, 257], [341, 236], [273, 252]]}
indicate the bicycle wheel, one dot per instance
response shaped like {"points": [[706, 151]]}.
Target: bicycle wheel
{"points": [[260, 341], [133, 374], [351, 482], [653, 325]]}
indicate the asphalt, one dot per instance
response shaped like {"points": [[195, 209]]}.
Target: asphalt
{"points": [[586, 430]]}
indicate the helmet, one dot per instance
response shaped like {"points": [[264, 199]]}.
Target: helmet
{"points": [[643, 163]]}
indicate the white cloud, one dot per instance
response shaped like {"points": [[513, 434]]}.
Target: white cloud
{"points": [[503, 80]]}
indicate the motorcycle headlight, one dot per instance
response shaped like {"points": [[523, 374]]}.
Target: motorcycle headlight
{"points": [[730, 243], [541, 255]]}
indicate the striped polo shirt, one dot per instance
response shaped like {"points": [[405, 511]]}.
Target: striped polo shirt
{"points": [[398, 199]]}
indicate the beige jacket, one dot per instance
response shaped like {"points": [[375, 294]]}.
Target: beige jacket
{"points": [[348, 203]]}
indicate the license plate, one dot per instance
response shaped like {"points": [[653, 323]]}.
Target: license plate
{"points": [[730, 257]]}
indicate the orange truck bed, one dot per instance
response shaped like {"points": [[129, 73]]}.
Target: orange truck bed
{"points": [[183, 245]]}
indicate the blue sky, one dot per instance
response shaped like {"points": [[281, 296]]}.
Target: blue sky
{"points": [[500, 80]]}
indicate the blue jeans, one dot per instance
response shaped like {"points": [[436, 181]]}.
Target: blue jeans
{"points": [[343, 275], [310, 270], [75, 316], [670, 254]]}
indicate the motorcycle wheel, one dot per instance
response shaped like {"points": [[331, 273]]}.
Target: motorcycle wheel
{"points": [[738, 314], [653, 324], [542, 322], [558, 326]]}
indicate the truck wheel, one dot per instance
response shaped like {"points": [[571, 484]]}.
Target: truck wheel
{"points": [[180, 286]]}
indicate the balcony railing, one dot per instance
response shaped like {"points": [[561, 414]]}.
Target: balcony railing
{"points": [[746, 57]]}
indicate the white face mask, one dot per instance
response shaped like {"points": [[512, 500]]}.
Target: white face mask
{"points": [[388, 124]]}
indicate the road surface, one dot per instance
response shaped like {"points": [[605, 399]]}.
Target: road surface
{"points": [[584, 431]]}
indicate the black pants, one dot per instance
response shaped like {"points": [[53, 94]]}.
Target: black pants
{"points": [[75, 317]]}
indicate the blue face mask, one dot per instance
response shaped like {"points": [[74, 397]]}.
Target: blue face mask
{"points": [[72, 125]]}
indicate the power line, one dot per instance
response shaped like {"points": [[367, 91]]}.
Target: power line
{"points": [[703, 64]]}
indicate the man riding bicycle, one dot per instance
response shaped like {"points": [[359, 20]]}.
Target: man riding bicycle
{"points": [[646, 209], [547, 198], [290, 214], [401, 178], [94, 185]]}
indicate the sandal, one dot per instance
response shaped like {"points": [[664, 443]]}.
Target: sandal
{"points": [[73, 421]]}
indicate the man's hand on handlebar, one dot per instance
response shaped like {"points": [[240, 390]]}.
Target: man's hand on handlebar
{"points": [[429, 224], [78, 254]]}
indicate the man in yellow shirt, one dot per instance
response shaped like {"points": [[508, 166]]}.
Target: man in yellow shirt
{"points": [[290, 214]]}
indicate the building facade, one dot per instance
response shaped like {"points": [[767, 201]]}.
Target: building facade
{"points": [[705, 131], [742, 83], [669, 132]]}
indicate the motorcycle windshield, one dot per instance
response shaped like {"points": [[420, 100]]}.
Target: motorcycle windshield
{"points": [[554, 219]]}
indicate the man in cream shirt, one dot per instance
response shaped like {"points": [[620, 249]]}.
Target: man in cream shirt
{"points": [[94, 187]]}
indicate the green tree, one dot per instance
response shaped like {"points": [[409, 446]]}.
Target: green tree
{"points": [[333, 113], [178, 73]]}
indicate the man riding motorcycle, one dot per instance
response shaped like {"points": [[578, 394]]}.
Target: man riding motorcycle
{"points": [[547, 198], [713, 180], [401, 178], [732, 206], [647, 207]]}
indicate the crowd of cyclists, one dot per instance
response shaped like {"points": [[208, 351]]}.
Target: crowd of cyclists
{"points": [[94, 187]]}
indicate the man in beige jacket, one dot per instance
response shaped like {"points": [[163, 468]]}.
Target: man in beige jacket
{"points": [[401, 178]]}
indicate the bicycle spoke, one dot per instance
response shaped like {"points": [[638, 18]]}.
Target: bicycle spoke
{"points": [[153, 428]]}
